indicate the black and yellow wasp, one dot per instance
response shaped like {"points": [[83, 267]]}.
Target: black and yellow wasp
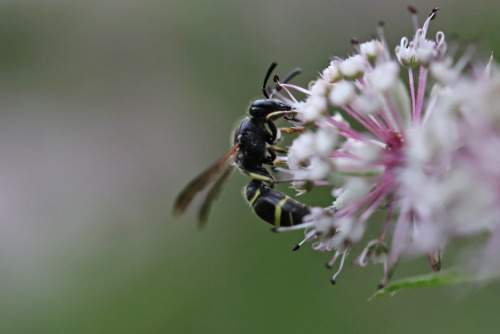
{"points": [[253, 147]]}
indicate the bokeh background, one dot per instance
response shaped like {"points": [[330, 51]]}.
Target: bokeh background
{"points": [[107, 108]]}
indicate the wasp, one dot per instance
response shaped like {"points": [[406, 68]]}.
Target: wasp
{"points": [[253, 147], [274, 207]]}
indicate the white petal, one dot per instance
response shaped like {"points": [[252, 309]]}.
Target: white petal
{"points": [[342, 93]]}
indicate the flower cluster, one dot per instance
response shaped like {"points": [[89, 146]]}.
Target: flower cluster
{"points": [[413, 132]]}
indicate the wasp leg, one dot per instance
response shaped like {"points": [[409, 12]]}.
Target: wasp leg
{"points": [[260, 174], [277, 149], [292, 130], [269, 160], [274, 131], [273, 149], [278, 114], [263, 178]]}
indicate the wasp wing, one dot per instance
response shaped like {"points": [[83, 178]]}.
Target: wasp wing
{"points": [[201, 182], [212, 195]]}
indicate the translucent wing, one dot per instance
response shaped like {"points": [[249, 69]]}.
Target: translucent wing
{"points": [[212, 195], [216, 172]]}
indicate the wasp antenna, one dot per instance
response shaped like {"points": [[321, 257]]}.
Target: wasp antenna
{"points": [[268, 74], [292, 74]]}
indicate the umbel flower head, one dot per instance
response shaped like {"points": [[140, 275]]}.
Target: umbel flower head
{"points": [[407, 130]]}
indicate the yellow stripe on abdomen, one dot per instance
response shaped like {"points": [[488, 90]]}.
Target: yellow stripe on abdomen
{"points": [[254, 198], [277, 211]]}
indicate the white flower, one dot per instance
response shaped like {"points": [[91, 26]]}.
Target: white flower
{"points": [[365, 103], [354, 66], [354, 189], [302, 148], [342, 93], [425, 150], [384, 76], [406, 54], [326, 138], [332, 73], [313, 108], [371, 49]]}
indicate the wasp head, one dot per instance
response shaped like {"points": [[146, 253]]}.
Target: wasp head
{"points": [[261, 108]]}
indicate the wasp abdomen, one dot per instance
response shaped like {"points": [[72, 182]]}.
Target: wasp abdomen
{"points": [[273, 206]]}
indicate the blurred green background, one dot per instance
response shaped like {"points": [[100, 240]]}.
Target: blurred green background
{"points": [[107, 108]]}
